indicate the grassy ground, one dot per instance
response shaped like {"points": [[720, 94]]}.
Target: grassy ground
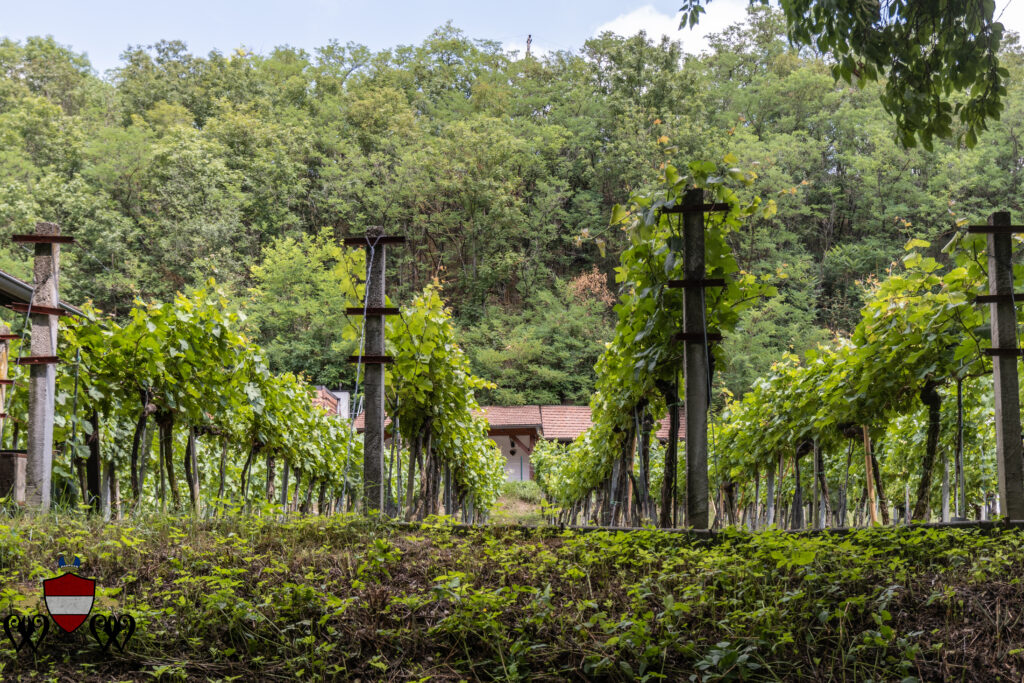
{"points": [[343, 598], [520, 503]]}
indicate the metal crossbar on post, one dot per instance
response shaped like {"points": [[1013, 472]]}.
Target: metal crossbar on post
{"points": [[372, 356]]}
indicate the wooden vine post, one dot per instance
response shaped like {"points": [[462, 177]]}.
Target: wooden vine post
{"points": [[696, 352], [373, 360], [43, 310], [1004, 352], [869, 477]]}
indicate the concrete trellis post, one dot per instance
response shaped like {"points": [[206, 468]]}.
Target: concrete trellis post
{"points": [[1004, 352], [696, 351], [44, 311], [373, 360]]}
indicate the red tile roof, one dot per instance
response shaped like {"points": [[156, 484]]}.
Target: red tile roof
{"points": [[512, 416], [565, 423], [326, 400], [561, 423]]}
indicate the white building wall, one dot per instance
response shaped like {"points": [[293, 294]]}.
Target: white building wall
{"points": [[517, 468]]}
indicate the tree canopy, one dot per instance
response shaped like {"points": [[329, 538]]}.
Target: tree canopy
{"points": [[499, 169], [936, 59]]}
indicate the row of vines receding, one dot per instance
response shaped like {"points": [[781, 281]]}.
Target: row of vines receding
{"points": [[890, 422], [175, 400]]}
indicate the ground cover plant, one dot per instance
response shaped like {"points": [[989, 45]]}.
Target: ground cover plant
{"points": [[342, 597]]}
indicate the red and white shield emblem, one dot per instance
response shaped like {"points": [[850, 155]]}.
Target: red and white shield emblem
{"points": [[69, 599]]}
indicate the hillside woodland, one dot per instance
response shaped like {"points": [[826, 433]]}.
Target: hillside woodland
{"points": [[499, 168]]}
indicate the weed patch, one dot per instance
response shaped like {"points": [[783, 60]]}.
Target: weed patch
{"points": [[343, 598]]}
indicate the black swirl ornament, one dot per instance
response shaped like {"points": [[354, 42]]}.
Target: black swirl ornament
{"points": [[20, 629], [109, 630]]}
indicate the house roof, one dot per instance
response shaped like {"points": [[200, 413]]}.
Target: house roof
{"points": [[565, 423], [560, 423], [512, 416], [326, 399], [15, 291]]}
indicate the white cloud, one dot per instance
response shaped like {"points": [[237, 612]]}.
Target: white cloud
{"points": [[719, 15], [644, 18]]}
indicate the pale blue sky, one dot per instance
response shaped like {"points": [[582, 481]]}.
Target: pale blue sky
{"points": [[104, 28]]}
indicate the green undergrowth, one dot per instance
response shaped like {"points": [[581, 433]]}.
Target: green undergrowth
{"points": [[348, 598]]}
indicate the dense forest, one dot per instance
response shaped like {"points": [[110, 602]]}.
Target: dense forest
{"points": [[500, 169]]}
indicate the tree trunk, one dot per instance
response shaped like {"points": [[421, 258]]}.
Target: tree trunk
{"points": [[869, 474], [398, 477], [859, 512], [247, 467], [298, 487], [309, 496], [754, 518], [670, 391], [815, 490], [140, 430], [605, 517], [223, 469], [883, 500], [93, 465], [415, 454], [435, 481], [116, 489], [285, 471], [845, 504], [958, 470], [192, 470], [107, 491], [933, 401], [644, 485], [906, 504], [83, 479], [798, 496], [321, 499], [615, 491], [271, 473], [434, 499], [945, 487], [730, 502], [825, 500], [165, 421], [769, 513], [145, 451], [622, 492], [780, 508]]}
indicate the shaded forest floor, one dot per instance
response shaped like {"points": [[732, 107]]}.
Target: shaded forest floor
{"points": [[346, 598]]}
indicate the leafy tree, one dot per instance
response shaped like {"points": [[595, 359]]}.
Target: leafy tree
{"points": [[544, 354], [924, 51], [297, 306]]}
